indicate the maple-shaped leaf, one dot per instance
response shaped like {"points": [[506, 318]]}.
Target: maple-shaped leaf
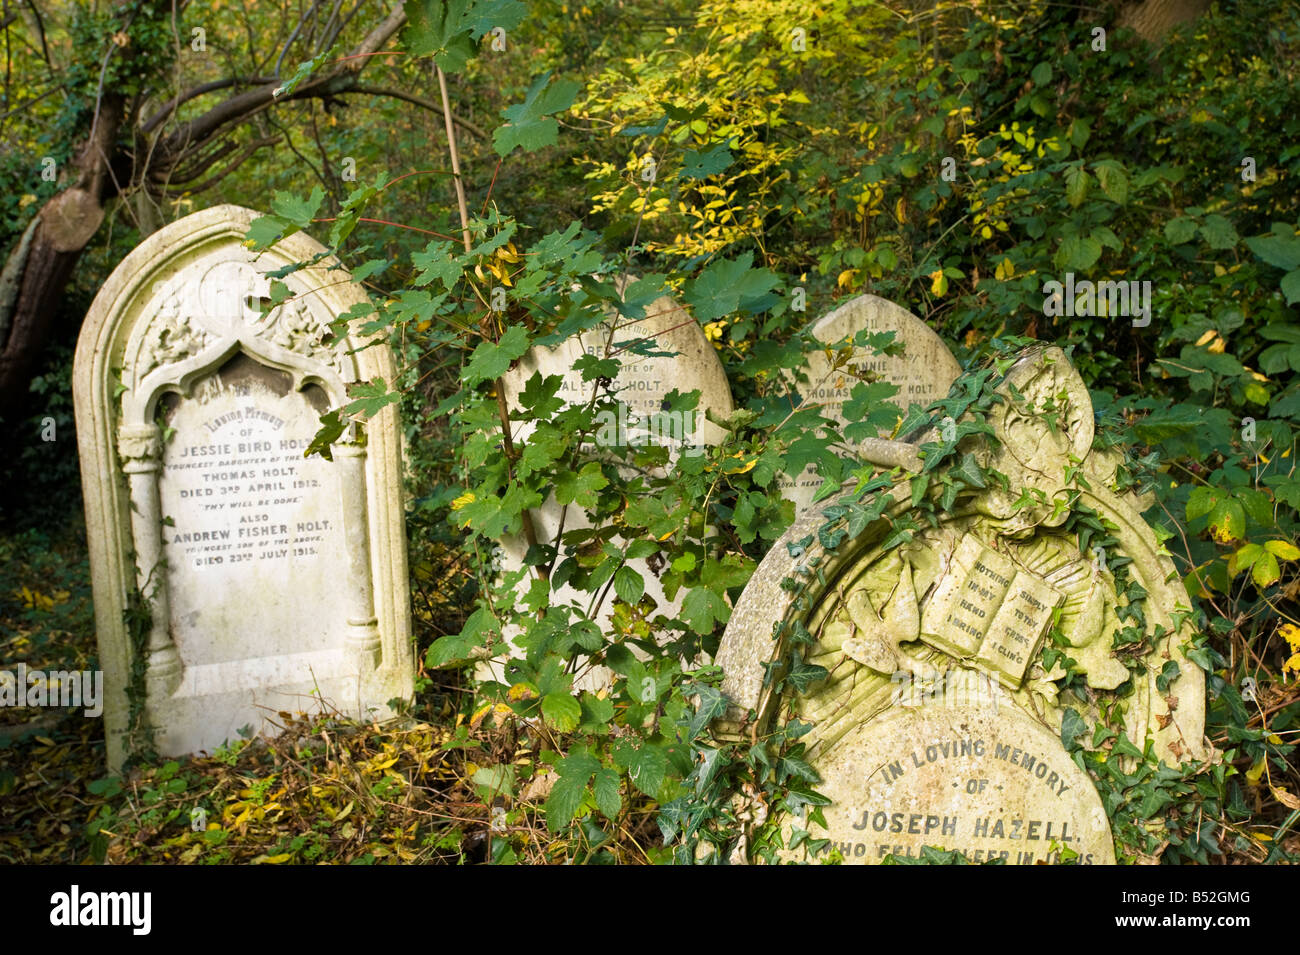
{"points": [[530, 124]]}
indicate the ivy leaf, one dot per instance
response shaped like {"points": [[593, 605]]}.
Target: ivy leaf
{"points": [[530, 125], [491, 359], [968, 471], [803, 675], [1072, 727]]}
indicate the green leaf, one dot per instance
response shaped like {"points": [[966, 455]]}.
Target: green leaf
{"points": [[1265, 571], [1180, 230], [1113, 180], [608, 798], [1218, 232], [1284, 550], [647, 767], [574, 771], [580, 488], [529, 124], [449, 29], [731, 285], [628, 584], [370, 397], [1072, 727], [1228, 521], [1291, 287], [1077, 253], [491, 359], [703, 610], [711, 161], [1281, 249], [562, 711], [436, 262], [803, 675], [1077, 182]]}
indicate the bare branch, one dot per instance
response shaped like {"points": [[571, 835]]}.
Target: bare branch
{"points": [[199, 130], [428, 104]]}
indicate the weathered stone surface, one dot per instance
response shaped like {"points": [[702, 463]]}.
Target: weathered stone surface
{"points": [[642, 384], [980, 596], [923, 373], [989, 780], [271, 581]]}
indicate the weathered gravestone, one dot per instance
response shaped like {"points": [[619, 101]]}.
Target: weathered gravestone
{"points": [[922, 373], [270, 581], [688, 363], [948, 614]]}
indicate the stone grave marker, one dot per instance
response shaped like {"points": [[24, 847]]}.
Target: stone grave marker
{"points": [[641, 385], [270, 581], [923, 372], [938, 719]]}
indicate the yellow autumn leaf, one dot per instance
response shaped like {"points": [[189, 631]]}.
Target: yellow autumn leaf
{"points": [[1291, 634], [481, 712], [466, 498], [846, 278], [521, 691], [938, 283], [1255, 772], [1005, 270], [1293, 665], [1206, 338]]}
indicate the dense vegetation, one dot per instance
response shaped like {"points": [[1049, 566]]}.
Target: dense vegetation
{"points": [[761, 161]]}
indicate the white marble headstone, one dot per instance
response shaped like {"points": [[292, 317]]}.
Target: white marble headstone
{"points": [[642, 385], [923, 372], [272, 582]]}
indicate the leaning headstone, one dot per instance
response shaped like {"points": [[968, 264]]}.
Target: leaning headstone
{"points": [[939, 711], [922, 373], [687, 363], [233, 577]]}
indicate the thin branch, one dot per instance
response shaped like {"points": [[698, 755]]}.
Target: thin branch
{"points": [[430, 105], [234, 164]]}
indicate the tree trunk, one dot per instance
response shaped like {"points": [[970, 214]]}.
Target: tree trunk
{"points": [[40, 266], [64, 227]]}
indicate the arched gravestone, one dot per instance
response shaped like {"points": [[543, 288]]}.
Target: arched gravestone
{"points": [[689, 363], [938, 719], [922, 373], [271, 581]]}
